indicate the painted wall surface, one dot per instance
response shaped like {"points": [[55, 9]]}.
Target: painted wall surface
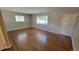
{"points": [[75, 37], [54, 22], [68, 23], [10, 22], [60, 23]]}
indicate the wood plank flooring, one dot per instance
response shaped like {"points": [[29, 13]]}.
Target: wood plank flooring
{"points": [[32, 39]]}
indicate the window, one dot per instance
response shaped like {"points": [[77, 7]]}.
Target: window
{"points": [[19, 18], [42, 20]]}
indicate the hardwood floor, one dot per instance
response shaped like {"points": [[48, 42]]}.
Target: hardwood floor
{"points": [[32, 39]]}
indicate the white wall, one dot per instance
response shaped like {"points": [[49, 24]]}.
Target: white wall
{"points": [[68, 24], [11, 24], [54, 22], [75, 37]]}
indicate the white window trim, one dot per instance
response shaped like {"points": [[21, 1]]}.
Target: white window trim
{"points": [[18, 19], [41, 23]]}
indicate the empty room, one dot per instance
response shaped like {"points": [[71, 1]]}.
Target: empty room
{"points": [[39, 29]]}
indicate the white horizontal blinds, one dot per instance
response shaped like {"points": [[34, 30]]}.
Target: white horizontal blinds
{"points": [[19, 18], [42, 19]]}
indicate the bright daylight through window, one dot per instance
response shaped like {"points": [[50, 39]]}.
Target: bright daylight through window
{"points": [[19, 18], [42, 20]]}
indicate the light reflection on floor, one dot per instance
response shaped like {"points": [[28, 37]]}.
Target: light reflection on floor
{"points": [[42, 38], [22, 37], [38, 40]]}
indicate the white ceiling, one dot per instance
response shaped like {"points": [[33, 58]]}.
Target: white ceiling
{"points": [[26, 10], [34, 10]]}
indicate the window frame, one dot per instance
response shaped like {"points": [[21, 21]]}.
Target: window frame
{"points": [[17, 17], [42, 22]]}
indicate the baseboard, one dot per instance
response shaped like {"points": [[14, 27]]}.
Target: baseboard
{"points": [[35, 27], [49, 31], [17, 28]]}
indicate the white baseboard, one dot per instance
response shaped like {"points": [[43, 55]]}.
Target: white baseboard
{"points": [[17, 28], [43, 29], [35, 27], [48, 30]]}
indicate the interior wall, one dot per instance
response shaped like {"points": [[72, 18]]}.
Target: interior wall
{"points": [[10, 22], [58, 22], [68, 24], [75, 37], [54, 22]]}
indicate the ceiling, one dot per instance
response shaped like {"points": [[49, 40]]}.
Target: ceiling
{"points": [[27, 10], [34, 10]]}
